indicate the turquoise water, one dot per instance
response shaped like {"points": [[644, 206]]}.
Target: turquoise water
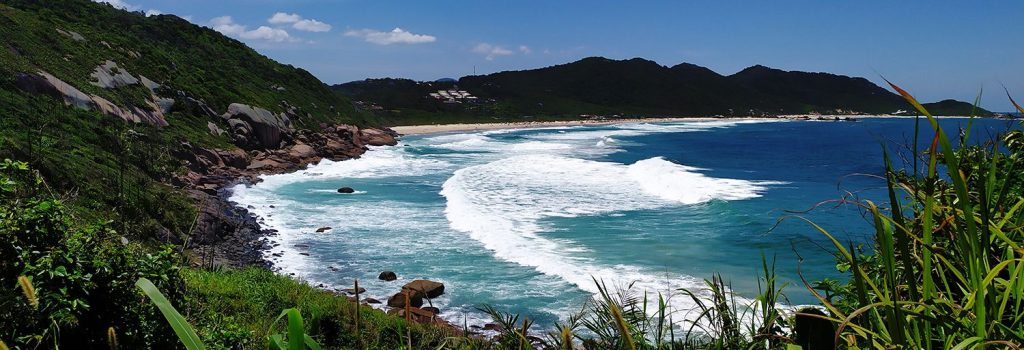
{"points": [[524, 220]]}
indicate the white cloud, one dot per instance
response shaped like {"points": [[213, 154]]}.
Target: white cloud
{"points": [[267, 33], [153, 12], [297, 22], [491, 52], [395, 36], [525, 49], [312, 25], [227, 26], [284, 18]]}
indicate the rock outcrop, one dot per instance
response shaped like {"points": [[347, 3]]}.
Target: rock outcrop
{"points": [[377, 137], [109, 76], [224, 234], [70, 34], [44, 83], [257, 128], [424, 288]]}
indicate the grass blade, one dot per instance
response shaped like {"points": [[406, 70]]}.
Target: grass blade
{"points": [[178, 323]]}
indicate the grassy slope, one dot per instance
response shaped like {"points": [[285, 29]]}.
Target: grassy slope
{"points": [[114, 172], [231, 308]]}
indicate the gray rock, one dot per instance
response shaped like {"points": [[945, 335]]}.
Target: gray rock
{"points": [[109, 76], [214, 129], [256, 127], [73, 35], [152, 85], [46, 84]]}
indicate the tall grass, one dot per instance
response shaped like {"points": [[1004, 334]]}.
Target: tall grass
{"points": [[948, 270]]}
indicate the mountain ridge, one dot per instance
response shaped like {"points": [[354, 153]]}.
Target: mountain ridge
{"points": [[640, 87]]}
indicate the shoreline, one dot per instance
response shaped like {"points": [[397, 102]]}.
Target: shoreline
{"points": [[424, 129]]}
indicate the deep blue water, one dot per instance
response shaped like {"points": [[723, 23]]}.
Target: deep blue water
{"points": [[524, 219]]}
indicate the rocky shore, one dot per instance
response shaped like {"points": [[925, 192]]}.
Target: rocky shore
{"points": [[225, 234]]}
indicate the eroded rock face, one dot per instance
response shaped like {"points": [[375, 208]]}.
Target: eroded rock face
{"points": [[109, 76], [254, 127], [46, 84]]}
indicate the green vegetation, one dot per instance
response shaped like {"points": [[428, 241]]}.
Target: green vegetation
{"points": [[116, 170], [85, 209], [633, 88]]}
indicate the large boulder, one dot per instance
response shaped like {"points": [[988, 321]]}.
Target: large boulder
{"points": [[235, 158], [301, 151], [256, 127], [387, 276], [398, 300], [377, 137], [424, 288]]}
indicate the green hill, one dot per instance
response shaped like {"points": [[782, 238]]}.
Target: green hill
{"points": [[637, 87], [172, 80]]}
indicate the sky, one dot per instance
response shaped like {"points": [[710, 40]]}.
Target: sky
{"points": [[935, 49]]}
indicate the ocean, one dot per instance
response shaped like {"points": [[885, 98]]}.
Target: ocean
{"points": [[529, 220]]}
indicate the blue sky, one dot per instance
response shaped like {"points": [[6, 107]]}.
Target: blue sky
{"points": [[936, 49]]}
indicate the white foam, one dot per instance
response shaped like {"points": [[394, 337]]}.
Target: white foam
{"points": [[501, 204], [379, 162]]}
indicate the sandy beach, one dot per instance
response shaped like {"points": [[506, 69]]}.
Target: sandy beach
{"points": [[442, 128], [462, 127]]}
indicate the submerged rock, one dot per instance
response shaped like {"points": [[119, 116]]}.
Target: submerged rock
{"points": [[353, 290], [346, 190]]}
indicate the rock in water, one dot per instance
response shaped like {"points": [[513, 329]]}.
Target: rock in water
{"points": [[424, 288], [353, 290], [398, 300], [322, 229], [371, 301], [346, 190], [387, 276]]}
